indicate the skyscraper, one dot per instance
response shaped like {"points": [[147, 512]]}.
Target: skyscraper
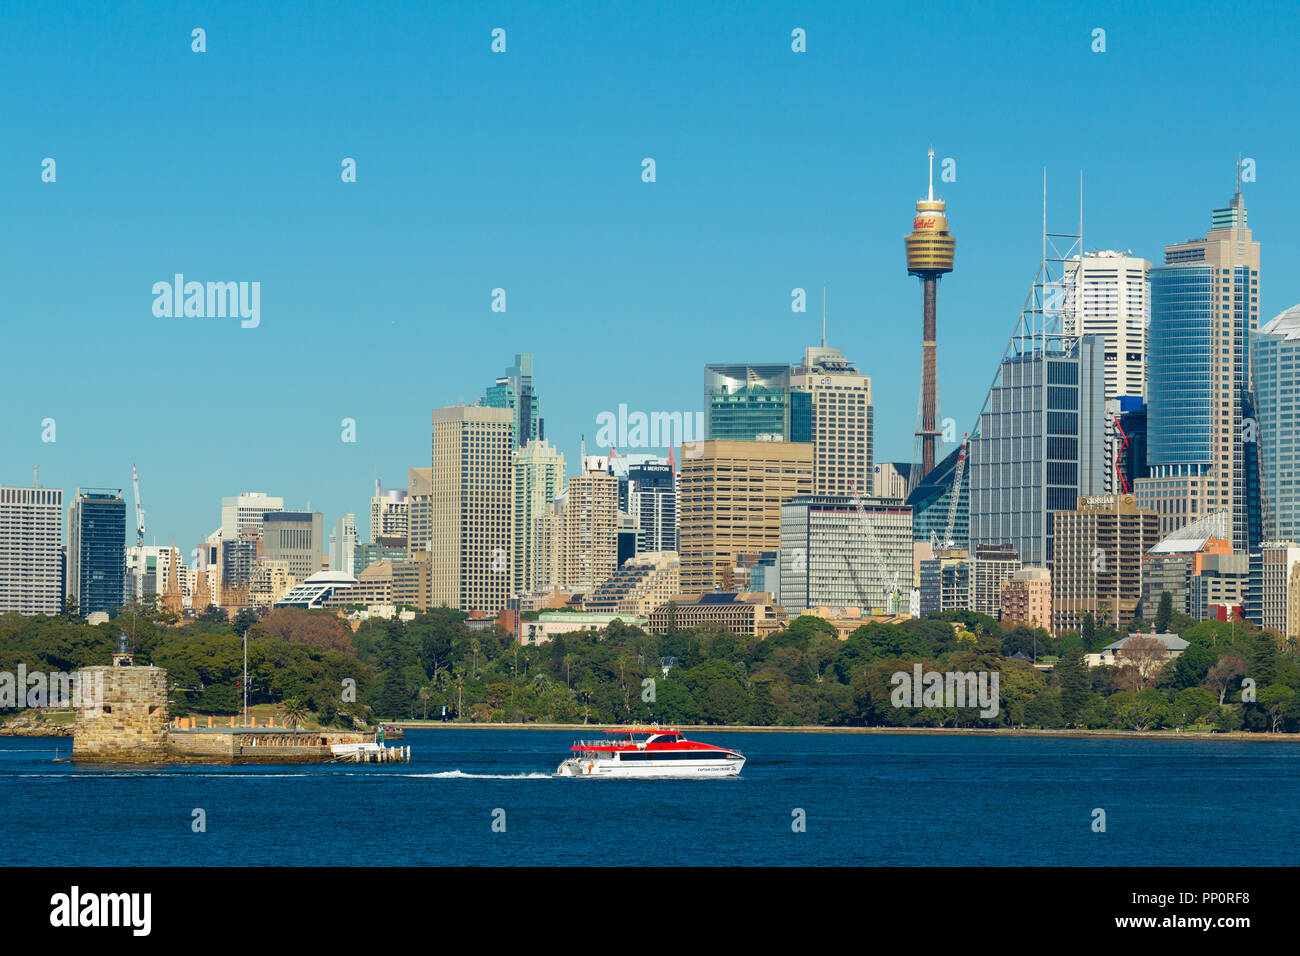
{"points": [[514, 390], [419, 501], [652, 503], [246, 510], [1275, 369], [31, 541], [473, 508], [743, 402], [1204, 305], [295, 538], [1039, 447], [1112, 290], [1099, 550], [731, 497], [390, 516], [539, 478], [97, 550], [841, 421], [930, 248], [343, 546], [589, 528]]}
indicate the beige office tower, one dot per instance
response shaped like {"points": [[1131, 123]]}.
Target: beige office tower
{"points": [[1279, 599], [1114, 304], [840, 400], [588, 530], [471, 525], [1098, 560], [419, 509], [990, 566], [539, 479], [731, 497], [1204, 307]]}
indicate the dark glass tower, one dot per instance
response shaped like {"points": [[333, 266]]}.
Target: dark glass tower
{"points": [[97, 550]]}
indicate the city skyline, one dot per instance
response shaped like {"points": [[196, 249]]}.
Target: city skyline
{"points": [[621, 290]]}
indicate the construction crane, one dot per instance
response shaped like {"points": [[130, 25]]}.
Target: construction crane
{"points": [[139, 512], [956, 493]]}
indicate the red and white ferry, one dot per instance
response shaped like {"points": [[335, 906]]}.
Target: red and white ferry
{"points": [[649, 752]]}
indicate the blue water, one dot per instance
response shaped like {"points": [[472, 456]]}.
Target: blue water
{"points": [[868, 800]]}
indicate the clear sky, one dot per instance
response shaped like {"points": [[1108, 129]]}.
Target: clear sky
{"points": [[522, 171]]}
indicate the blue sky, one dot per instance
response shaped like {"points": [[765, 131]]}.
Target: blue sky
{"points": [[522, 171]]}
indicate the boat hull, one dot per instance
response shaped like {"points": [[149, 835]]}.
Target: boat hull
{"points": [[649, 770]]}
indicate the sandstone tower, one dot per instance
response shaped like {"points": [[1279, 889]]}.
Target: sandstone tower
{"points": [[130, 724]]}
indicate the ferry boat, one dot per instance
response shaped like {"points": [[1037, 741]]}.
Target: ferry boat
{"points": [[649, 752]]}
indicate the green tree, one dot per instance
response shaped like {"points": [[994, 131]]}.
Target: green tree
{"points": [[1165, 613], [1072, 676]]}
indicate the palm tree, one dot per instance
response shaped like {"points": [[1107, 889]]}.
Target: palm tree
{"points": [[474, 646], [294, 712]]}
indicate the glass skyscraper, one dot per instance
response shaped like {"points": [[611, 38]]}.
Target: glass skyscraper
{"points": [[514, 390], [1275, 367], [97, 550], [1039, 446], [742, 402], [1204, 305]]}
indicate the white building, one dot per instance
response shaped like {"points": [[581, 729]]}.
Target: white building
{"points": [[343, 545], [31, 540], [245, 510], [1115, 304]]}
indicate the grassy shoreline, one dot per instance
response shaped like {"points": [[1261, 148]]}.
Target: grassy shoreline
{"points": [[914, 731]]}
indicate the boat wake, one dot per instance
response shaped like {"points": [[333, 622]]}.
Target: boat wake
{"points": [[461, 775]]}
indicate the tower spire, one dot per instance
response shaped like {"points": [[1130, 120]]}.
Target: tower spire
{"points": [[930, 195], [823, 316]]}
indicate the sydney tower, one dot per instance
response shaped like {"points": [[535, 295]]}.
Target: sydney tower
{"points": [[930, 250]]}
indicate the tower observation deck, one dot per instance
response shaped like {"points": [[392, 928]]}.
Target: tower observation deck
{"points": [[930, 248]]}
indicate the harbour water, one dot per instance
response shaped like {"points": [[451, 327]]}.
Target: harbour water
{"points": [[486, 797]]}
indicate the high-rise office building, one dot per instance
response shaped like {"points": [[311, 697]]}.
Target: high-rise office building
{"points": [[1280, 590], [514, 390], [841, 422], [1275, 369], [97, 550], [31, 540], [1126, 444], [842, 551], [1100, 545], [148, 569], [743, 402], [1204, 305], [246, 510], [1112, 290], [295, 538], [539, 478], [473, 507], [731, 497], [343, 546], [1040, 446], [419, 509]]}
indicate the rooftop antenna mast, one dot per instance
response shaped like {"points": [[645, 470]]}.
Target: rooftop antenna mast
{"points": [[823, 316]]}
